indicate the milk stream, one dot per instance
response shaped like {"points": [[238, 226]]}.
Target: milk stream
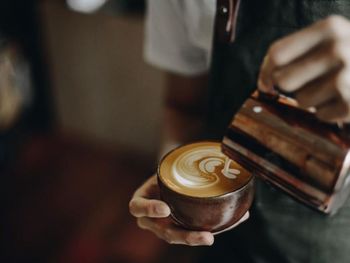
{"points": [[229, 172]]}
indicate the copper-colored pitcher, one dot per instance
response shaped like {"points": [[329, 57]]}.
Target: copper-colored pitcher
{"points": [[293, 150]]}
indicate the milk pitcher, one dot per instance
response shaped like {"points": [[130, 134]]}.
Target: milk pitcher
{"points": [[291, 149]]}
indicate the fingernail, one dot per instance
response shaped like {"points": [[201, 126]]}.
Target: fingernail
{"points": [[206, 240], [210, 241], [162, 210]]}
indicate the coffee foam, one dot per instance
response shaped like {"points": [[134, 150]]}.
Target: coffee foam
{"points": [[200, 169]]}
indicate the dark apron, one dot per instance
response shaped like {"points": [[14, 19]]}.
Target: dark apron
{"points": [[280, 229]]}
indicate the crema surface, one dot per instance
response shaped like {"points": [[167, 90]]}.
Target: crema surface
{"points": [[201, 170]]}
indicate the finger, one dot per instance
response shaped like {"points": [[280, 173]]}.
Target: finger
{"points": [[173, 234], [144, 204], [333, 111], [297, 44], [293, 46], [265, 83], [295, 75], [140, 207], [317, 92]]}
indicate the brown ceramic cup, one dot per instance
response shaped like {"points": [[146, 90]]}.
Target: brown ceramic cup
{"points": [[211, 213]]}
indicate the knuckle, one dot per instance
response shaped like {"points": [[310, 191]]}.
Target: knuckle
{"points": [[342, 85], [189, 239], [338, 81], [140, 224], [171, 242], [338, 50], [168, 236], [335, 48], [279, 80], [132, 206], [334, 25], [202, 239], [332, 20], [160, 235], [273, 53], [284, 83]]}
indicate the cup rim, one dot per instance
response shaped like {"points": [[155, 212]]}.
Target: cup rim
{"points": [[198, 197]]}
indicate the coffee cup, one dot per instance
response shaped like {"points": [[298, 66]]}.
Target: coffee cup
{"points": [[204, 189]]}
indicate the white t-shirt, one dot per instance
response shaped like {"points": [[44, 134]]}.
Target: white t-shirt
{"points": [[178, 35]]}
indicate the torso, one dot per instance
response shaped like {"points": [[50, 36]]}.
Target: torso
{"points": [[280, 229], [199, 19]]}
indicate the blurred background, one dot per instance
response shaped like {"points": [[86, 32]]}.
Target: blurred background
{"points": [[79, 113]]}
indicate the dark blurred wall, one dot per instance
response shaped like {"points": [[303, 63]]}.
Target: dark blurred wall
{"points": [[20, 29], [103, 89]]}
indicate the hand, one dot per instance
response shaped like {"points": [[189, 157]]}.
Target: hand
{"points": [[314, 65], [153, 214]]}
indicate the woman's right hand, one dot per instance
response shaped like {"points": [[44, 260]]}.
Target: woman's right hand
{"points": [[154, 215]]}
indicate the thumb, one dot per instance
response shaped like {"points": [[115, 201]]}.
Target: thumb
{"points": [[265, 81], [142, 207]]}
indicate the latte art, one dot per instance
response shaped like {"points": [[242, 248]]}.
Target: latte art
{"points": [[200, 169]]}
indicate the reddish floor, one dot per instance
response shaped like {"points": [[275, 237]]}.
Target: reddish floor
{"points": [[69, 204]]}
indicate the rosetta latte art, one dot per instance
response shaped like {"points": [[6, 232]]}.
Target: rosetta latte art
{"points": [[202, 168]]}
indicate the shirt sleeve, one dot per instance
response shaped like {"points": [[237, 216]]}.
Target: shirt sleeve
{"points": [[167, 44]]}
